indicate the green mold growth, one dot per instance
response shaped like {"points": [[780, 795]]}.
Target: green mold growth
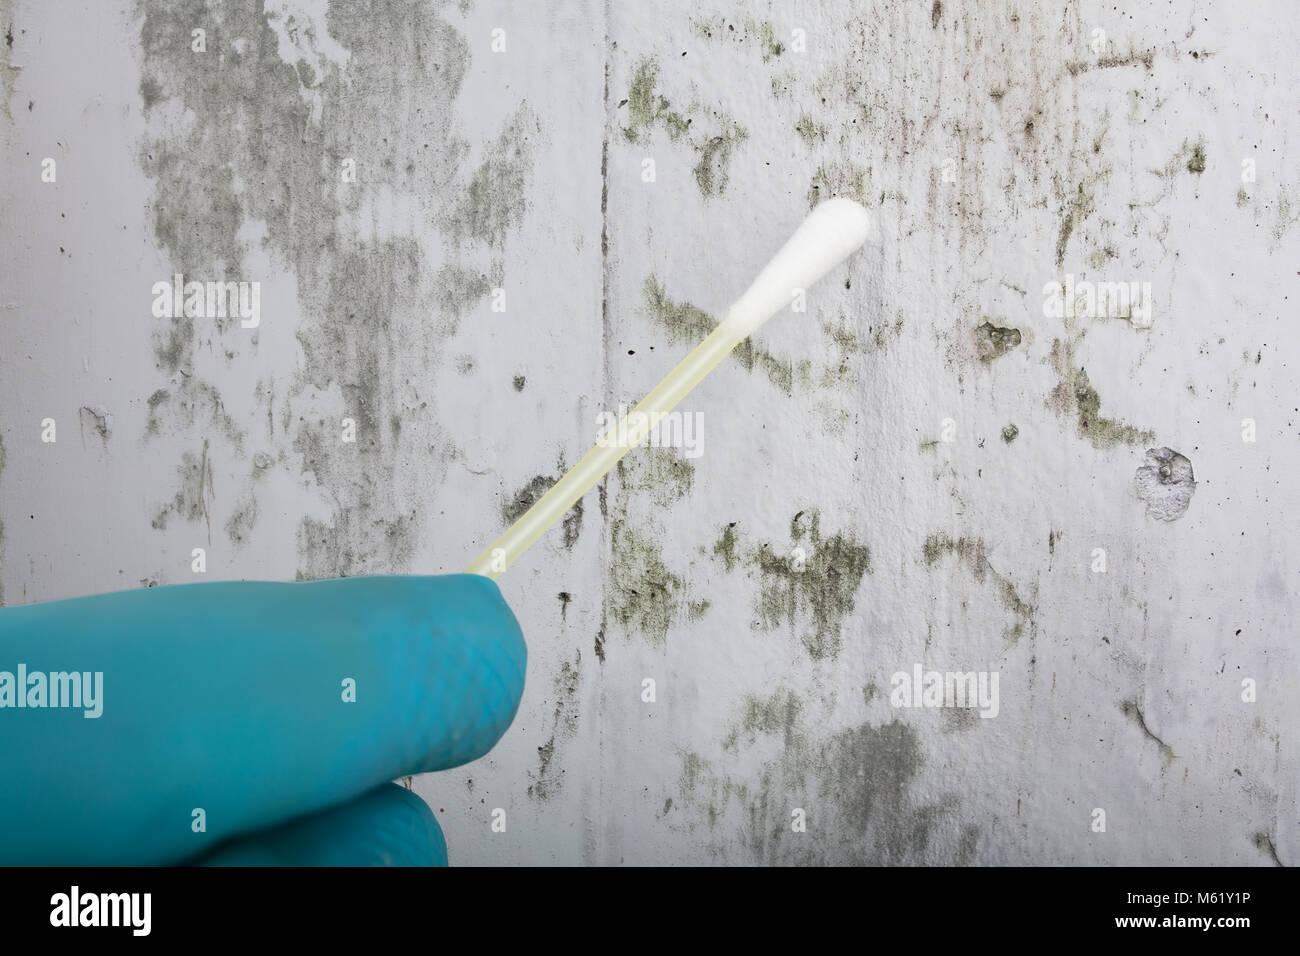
{"points": [[660, 473], [810, 587], [767, 42], [1077, 208], [1133, 712], [519, 382], [1103, 432], [1009, 433], [697, 609], [775, 716], [686, 324], [495, 200], [837, 179], [971, 552], [1098, 258], [527, 496], [810, 132], [647, 109], [1243, 198], [755, 32], [992, 342], [1190, 158], [997, 93], [726, 547], [712, 171], [644, 596], [1073, 395]]}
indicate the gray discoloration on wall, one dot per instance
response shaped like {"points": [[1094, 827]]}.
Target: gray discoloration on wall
{"points": [[548, 779], [854, 787], [1166, 483], [194, 493], [366, 295]]}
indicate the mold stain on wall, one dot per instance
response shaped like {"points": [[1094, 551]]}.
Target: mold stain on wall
{"points": [[712, 133], [854, 786], [808, 586], [258, 131], [548, 778]]}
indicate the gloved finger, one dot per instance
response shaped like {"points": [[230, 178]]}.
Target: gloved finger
{"points": [[212, 710], [389, 826]]}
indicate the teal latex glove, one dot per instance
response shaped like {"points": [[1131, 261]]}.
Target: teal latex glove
{"points": [[231, 699]]}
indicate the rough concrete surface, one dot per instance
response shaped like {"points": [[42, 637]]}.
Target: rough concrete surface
{"points": [[1086, 489]]}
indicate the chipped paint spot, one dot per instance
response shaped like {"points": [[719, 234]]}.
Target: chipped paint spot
{"points": [[992, 342], [1166, 483]]}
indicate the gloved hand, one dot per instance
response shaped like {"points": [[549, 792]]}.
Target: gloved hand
{"points": [[248, 722]]}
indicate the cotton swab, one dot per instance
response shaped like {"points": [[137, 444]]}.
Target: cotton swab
{"points": [[829, 235]]}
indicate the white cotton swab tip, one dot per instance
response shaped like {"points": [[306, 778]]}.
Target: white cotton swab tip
{"points": [[831, 233]]}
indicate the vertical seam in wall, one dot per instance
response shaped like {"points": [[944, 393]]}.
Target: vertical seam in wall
{"points": [[597, 843]]}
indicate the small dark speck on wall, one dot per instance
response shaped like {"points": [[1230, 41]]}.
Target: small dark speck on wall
{"points": [[519, 382]]}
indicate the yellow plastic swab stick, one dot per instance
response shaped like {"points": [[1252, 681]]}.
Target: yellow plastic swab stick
{"points": [[830, 234]]}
